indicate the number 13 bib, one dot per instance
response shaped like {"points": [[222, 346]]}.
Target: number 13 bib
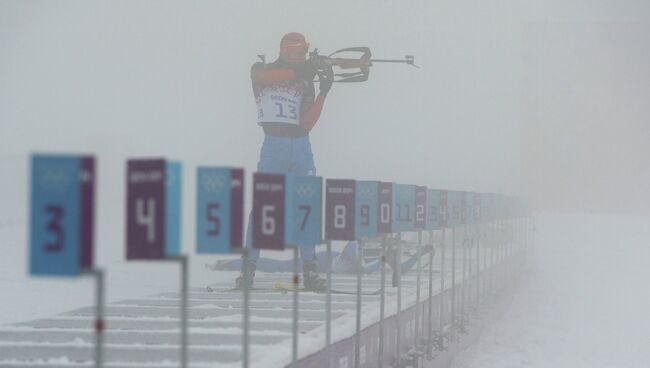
{"points": [[279, 104]]}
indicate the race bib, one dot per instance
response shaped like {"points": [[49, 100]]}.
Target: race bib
{"points": [[278, 105]]}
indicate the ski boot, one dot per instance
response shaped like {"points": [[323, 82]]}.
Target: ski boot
{"points": [[246, 277], [310, 277]]}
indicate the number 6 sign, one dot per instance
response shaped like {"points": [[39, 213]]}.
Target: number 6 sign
{"points": [[62, 214], [269, 208]]}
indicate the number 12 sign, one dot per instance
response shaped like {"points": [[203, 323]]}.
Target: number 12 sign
{"points": [[153, 209], [219, 209], [62, 214]]}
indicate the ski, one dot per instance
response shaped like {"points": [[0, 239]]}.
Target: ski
{"points": [[286, 287]]}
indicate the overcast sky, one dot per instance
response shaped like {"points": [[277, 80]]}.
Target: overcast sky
{"points": [[131, 78]]}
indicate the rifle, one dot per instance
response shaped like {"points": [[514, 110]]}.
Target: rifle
{"points": [[362, 63]]}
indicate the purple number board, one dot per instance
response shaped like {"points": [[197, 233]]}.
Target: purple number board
{"points": [[339, 209], [269, 191], [145, 209]]}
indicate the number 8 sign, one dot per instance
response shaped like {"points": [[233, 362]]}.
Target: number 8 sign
{"points": [[339, 209], [62, 213]]}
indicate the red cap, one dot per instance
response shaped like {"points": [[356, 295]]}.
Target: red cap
{"points": [[293, 42]]}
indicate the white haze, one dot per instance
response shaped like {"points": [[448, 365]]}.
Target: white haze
{"points": [[547, 99]]}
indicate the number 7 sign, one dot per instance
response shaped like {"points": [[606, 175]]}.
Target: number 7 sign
{"points": [[306, 210]]}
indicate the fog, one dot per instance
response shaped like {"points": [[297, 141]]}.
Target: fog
{"points": [[544, 99]]}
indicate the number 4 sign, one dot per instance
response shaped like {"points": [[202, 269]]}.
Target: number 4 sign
{"points": [[219, 209], [153, 209], [62, 214]]}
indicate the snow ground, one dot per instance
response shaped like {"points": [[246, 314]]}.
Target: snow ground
{"points": [[585, 305]]}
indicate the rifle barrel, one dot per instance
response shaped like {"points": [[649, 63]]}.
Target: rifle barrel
{"points": [[390, 61]]}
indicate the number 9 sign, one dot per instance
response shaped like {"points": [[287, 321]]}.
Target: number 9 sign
{"points": [[62, 214]]}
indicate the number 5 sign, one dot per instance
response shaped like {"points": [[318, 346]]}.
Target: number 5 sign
{"points": [[219, 209], [153, 209], [339, 209], [62, 213]]}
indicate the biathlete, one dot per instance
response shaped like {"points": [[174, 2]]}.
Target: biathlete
{"points": [[287, 110]]}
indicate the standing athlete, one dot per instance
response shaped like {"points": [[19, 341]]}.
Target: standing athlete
{"points": [[287, 110]]}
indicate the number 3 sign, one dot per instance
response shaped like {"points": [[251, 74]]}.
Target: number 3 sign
{"points": [[153, 209], [62, 213]]}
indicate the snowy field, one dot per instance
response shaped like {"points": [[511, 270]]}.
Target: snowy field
{"points": [[585, 305]]}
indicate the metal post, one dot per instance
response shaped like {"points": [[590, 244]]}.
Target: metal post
{"points": [[477, 237], [328, 304], [430, 304], [184, 309], [453, 282], [357, 336], [245, 307], [99, 317], [382, 299], [416, 334], [398, 263], [296, 285], [463, 289], [441, 293]]}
